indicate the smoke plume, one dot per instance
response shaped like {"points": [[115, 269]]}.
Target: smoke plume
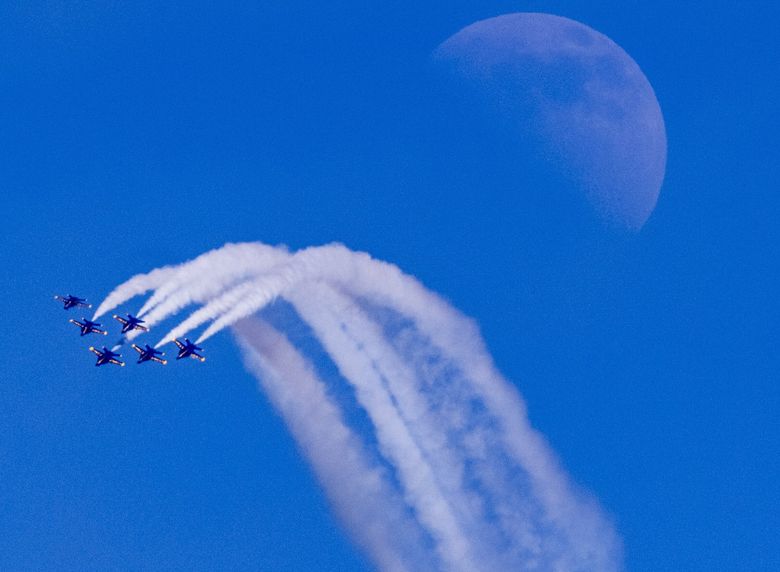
{"points": [[422, 447]]}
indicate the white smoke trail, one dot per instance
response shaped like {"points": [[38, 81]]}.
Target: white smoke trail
{"points": [[137, 285], [216, 269], [480, 482], [592, 542], [379, 365], [242, 300], [363, 341], [459, 338], [365, 498], [319, 306], [219, 305], [209, 274]]}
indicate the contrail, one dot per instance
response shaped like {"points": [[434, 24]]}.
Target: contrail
{"points": [[475, 486], [223, 266], [433, 431], [219, 305], [137, 285], [361, 490], [321, 307]]}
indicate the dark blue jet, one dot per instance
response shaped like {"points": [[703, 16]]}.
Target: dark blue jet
{"points": [[131, 323], [88, 327], [149, 354], [69, 302], [188, 349], [106, 356]]}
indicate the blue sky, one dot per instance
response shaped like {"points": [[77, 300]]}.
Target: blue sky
{"points": [[138, 136]]}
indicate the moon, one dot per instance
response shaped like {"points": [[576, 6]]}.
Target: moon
{"points": [[580, 95]]}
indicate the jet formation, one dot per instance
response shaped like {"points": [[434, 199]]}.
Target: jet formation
{"points": [[130, 323]]}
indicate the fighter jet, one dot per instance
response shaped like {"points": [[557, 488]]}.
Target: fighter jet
{"points": [[106, 356], [149, 354], [69, 302], [88, 326], [131, 323], [188, 349]]}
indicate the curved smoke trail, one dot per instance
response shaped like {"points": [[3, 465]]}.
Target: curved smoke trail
{"points": [[430, 462]]}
